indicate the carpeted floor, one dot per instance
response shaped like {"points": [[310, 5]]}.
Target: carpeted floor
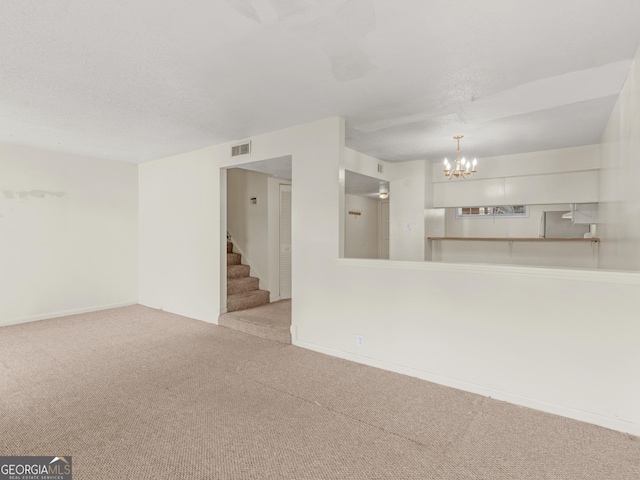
{"points": [[271, 321], [136, 393]]}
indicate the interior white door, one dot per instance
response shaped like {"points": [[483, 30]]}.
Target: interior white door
{"points": [[285, 241]]}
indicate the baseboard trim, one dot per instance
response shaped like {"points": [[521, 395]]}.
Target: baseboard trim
{"points": [[561, 410], [65, 313]]}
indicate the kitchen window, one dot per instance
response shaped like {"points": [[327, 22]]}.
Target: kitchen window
{"points": [[501, 211]]}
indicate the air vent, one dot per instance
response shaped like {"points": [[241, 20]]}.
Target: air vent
{"points": [[244, 149], [379, 168]]}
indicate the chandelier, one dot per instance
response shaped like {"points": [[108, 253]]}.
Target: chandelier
{"points": [[462, 168]]}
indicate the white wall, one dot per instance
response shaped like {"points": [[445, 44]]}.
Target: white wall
{"points": [[181, 242], [361, 231], [541, 254], [248, 223], [367, 165], [68, 234], [183, 203], [619, 215], [407, 211], [434, 218], [273, 274], [544, 338]]}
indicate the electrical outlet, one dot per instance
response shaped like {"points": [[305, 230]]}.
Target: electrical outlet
{"points": [[360, 341]]}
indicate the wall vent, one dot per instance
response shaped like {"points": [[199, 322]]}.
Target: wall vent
{"points": [[379, 168], [243, 149]]}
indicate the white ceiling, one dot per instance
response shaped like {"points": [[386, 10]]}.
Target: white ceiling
{"points": [[140, 80], [279, 167], [364, 186], [355, 183]]}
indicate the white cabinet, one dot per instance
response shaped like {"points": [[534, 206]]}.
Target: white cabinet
{"points": [[573, 187], [465, 193]]}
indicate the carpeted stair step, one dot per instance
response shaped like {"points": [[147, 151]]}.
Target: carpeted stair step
{"points": [[229, 247], [241, 285], [237, 271], [234, 259], [272, 321], [241, 301]]}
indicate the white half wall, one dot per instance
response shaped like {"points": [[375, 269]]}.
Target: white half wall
{"points": [[68, 234], [541, 254], [562, 341]]}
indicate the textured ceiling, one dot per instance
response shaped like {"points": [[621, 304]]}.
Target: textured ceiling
{"points": [[279, 167], [141, 80], [364, 186], [355, 183]]}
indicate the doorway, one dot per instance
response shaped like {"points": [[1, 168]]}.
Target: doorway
{"points": [[257, 219], [366, 218]]}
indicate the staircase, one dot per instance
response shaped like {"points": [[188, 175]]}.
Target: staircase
{"points": [[242, 290]]}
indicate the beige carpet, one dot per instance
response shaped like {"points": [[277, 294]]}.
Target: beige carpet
{"points": [[135, 393], [271, 321]]}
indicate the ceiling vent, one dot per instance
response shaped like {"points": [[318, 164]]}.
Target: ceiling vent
{"points": [[243, 149], [380, 168]]}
